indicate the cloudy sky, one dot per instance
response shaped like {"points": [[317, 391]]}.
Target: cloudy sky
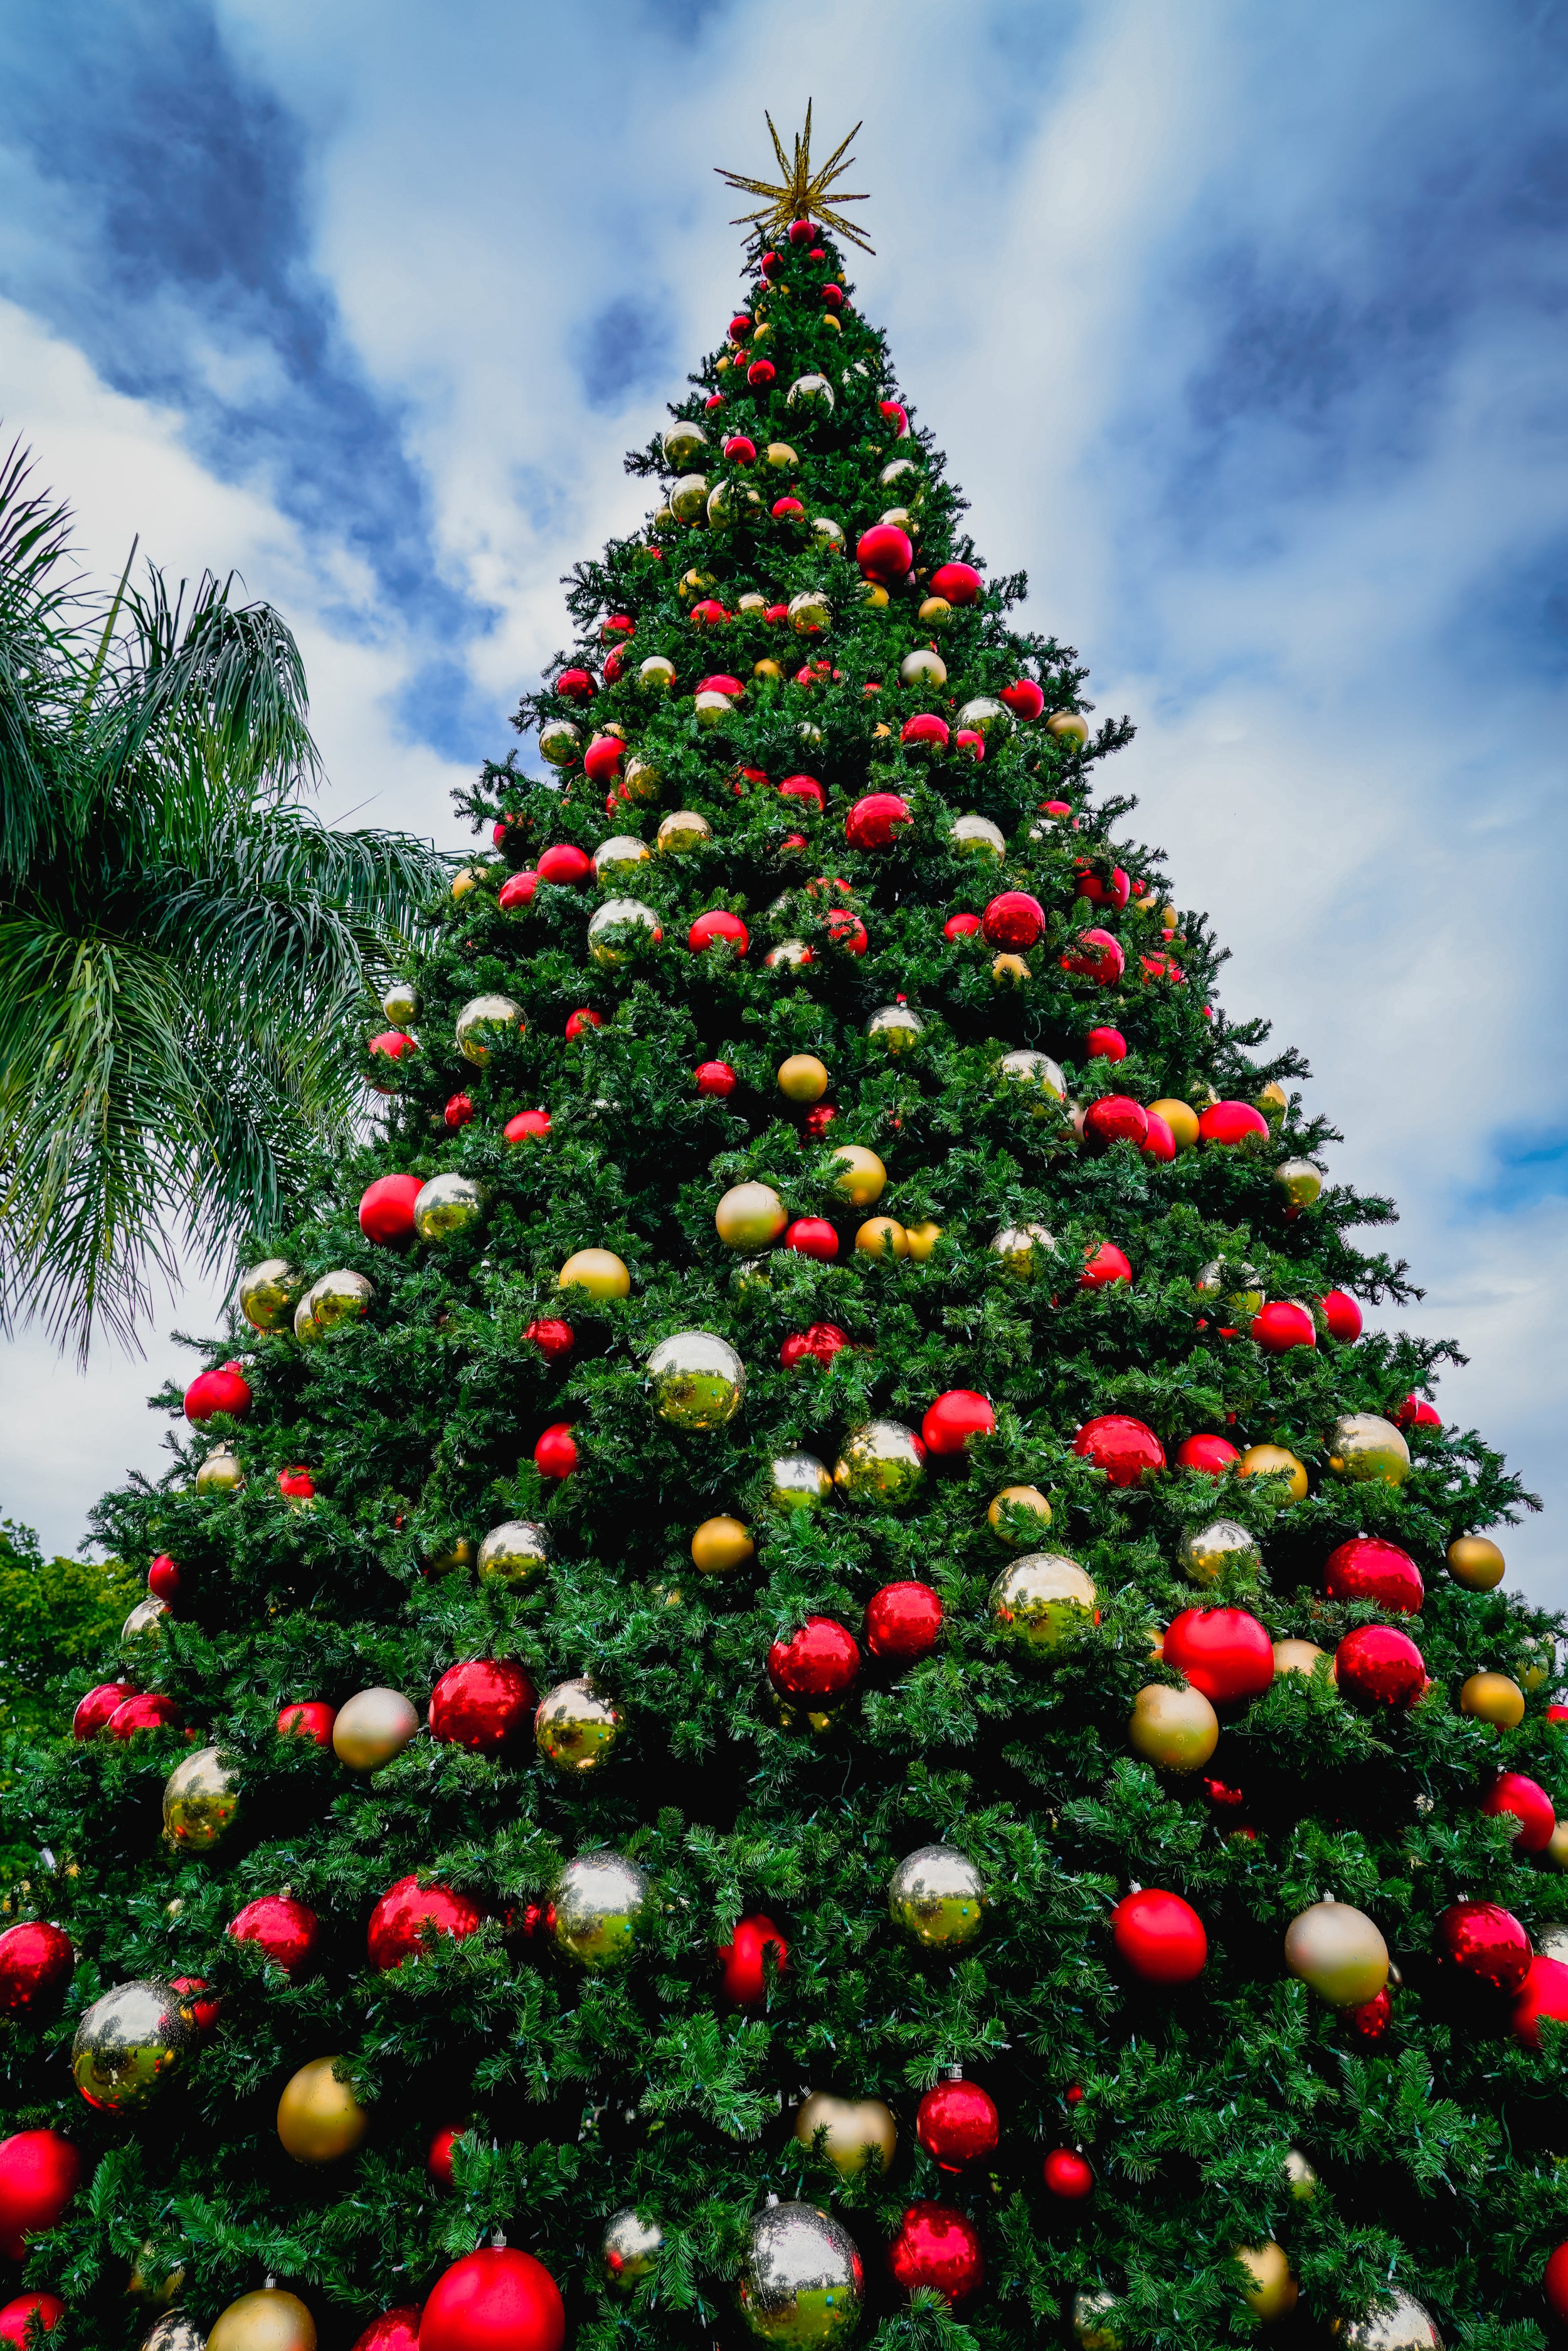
{"points": [[1242, 327]]}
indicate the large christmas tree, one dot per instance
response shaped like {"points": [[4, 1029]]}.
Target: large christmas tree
{"points": [[807, 1674]]}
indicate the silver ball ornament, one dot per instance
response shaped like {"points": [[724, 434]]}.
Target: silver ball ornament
{"points": [[697, 1379], [801, 2282]]}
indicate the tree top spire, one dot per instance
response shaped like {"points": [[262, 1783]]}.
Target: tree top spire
{"points": [[801, 191]]}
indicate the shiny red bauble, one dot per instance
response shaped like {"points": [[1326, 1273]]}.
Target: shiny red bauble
{"points": [[818, 1662], [459, 1111], [576, 684], [741, 1962], [1023, 698], [1545, 1994], [813, 1236], [202, 2012], [957, 583], [739, 451], [390, 1046], [394, 2330], [554, 1338], [484, 1704], [386, 1208], [718, 923], [30, 2315], [307, 1718], [225, 1390], [288, 1933], [821, 1341], [93, 1711], [163, 1580], [438, 2154], [925, 727], [1067, 2175], [409, 1917], [1114, 1118], [900, 424], [616, 628], [1114, 893], [1224, 1652], [1484, 1940], [884, 553], [1369, 2022], [1103, 1265], [1368, 1568], [1211, 1454], [529, 1125], [601, 761], [1556, 2281], [1281, 1325], [1123, 1448], [556, 1455], [902, 1622], [1106, 1045], [958, 2121], [1417, 1412], [1097, 956], [1379, 1667], [847, 931], [35, 1963], [716, 1080], [803, 787], [1512, 1792], [564, 864], [936, 2247], [1013, 919], [147, 1711], [1159, 1143], [960, 927], [1232, 1123], [583, 1018], [819, 1118], [499, 2299], [876, 820], [955, 1418], [296, 1484], [1159, 1937], [518, 890], [39, 2173]]}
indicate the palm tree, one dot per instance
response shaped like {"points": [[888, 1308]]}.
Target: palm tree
{"points": [[181, 941]]}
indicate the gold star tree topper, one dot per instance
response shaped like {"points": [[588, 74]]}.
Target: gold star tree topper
{"points": [[802, 194]]}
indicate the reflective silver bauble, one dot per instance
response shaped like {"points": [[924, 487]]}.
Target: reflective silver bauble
{"points": [[991, 720], [600, 1906], [1299, 1182], [574, 1728], [684, 444], [1025, 1250], [128, 2044], [688, 496], [485, 1022], [559, 742], [147, 1626], [615, 861], [629, 2248], [894, 1028], [1041, 1598], [923, 667], [201, 1801], [798, 1481], [175, 2332], [881, 1467], [809, 611], [1364, 1447], [801, 2281], [681, 831], [220, 1473], [977, 836], [1025, 1067], [1093, 2316], [697, 1379], [1209, 1551], [1405, 2325], [268, 1293], [517, 1553], [937, 1896], [810, 391], [446, 1206], [608, 942], [401, 1003], [1239, 1285]]}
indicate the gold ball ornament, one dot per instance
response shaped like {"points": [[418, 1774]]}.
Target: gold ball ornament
{"points": [[372, 1727], [629, 2249], [861, 1178], [267, 2320], [1272, 2292], [798, 1481], [751, 602], [1176, 1730], [598, 1271], [809, 611], [882, 1237], [517, 1553], [1224, 1547], [1181, 1118], [615, 861], [574, 1728], [1009, 971], [1271, 1100], [1093, 2316], [130, 2044], [858, 2134], [721, 1545], [801, 2280], [641, 778], [267, 1293], [656, 674], [682, 830], [1556, 1846], [1035, 1072], [977, 836], [1538, 1663], [1338, 1951], [319, 2120], [1304, 2179], [1400, 2323], [1492, 1697], [779, 454], [445, 1206], [751, 1217], [711, 708], [895, 1028], [1364, 1447], [1238, 1285], [935, 613], [1004, 1524], [449, 1557], [937, 1897], [697, 1379], [923, 667], [684, 444], [485, 1022], [1041, 1598], [220, 1473], [688, 497], [1025, 1250], [609, 942], [1476, 1562], [560, 743], [201, 1801], [881, 1466], [765, 668], [1068, 728], [332, 1304], [468, 877], [1297, 1657], [1298, 1181], [601, 1905], [1274, 1461], [175, 2332], [802, 1078], [401, 1003], [156, 2275], [922, 1239]]}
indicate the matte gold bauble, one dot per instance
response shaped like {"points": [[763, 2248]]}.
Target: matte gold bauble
{"points": [[1024, 1250], [220, 1473], [875, 594], [766, 669], [319, 2120], [882, 1237], [801, 2279], [798, 1481], [598, 1271], [372, 1727], [1364, 1447], [629, 2249], [1004, 1522], [448, 1204], [751, 1217], [922, 1239], [175, 2332], [697, 1379], [1400, 2323], [1068, 729], [1273, 1461], [881, 1467], [1476, 1562], [129, 2045], [937, 1896], [1176, 1730], [610, 940], [268, 1293], [1036, 1071], [1092, 2322], [468, 877], [574, 1728], [935, 613], [485, 1022], [1273, 2290], [1009, 971], [517, 1553], [895, 1028], [1556, 1846], [1492, 1697], [1297, 1657], [1223, 1547], [201, 1801], [600, 1908], [721, 1545], [977, 836], [1338, 1951], [1180, 1117], [267, 2320], [859, 1178], [858, 2134], [1304, 2179], [1298, 1181], [779, 454], [1040, 1598], [802, 1078], [332, 1302], [616, 860], [683, 830]]}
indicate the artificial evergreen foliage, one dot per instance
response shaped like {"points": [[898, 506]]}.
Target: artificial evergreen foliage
{"points": [[589, 2093]]}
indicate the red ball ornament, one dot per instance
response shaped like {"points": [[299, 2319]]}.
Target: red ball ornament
{"points": [[564, 864], [1211, 1454], [39, 2173], [386, 1208], [786, 506], [1106, 1045], [459, 1111], [288, 1933], [94, 1711], [1114, 893], [554, 1338], [601, 762], [583, 1018], [576, 684], [499, 2299], [36, 1964], [819, 1662], [394, 2330], [847, 931], [163, 1580], [876, 819], [1123, 1448], [955, 2122], [960, 927], [1068, 2175], [1096, 956], [409, 1917], [803, 232], [936, 2246], [296, 1485], [885, 553], [741, 1961], [556, 1453], [1014, 919], [438, 2154], [1556, 2281], [1115, 1118], [761, 372], [1369, 2022], [484, 1704], [1159, 1937], [529, 1125], [1545, 1994], [1159, 1144], [1510, 1793], [803, 787], [955, 1418], [739, 451], [813, 1236], [1486, 1941], [1103, 1265], [821, 1341], [146, 1710], [30, 2315], [1224, 1652], [1281, 1325], [225, 1390], [716, 1080], [902, 1622], [1379, 1667], [391, 1045], [899, 421], [718, 924], [1023, 698], [1232, 1123], [1369, 1568], [819, 1118], [967, 739], [1164, 966], [203, 2013], [617, 625], [517, 891], [957, 583], [307, 1718], [1417, 1412], [925, 727]]}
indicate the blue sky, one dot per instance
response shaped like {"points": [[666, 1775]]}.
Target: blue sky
{"points": [[1243, 329]]}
